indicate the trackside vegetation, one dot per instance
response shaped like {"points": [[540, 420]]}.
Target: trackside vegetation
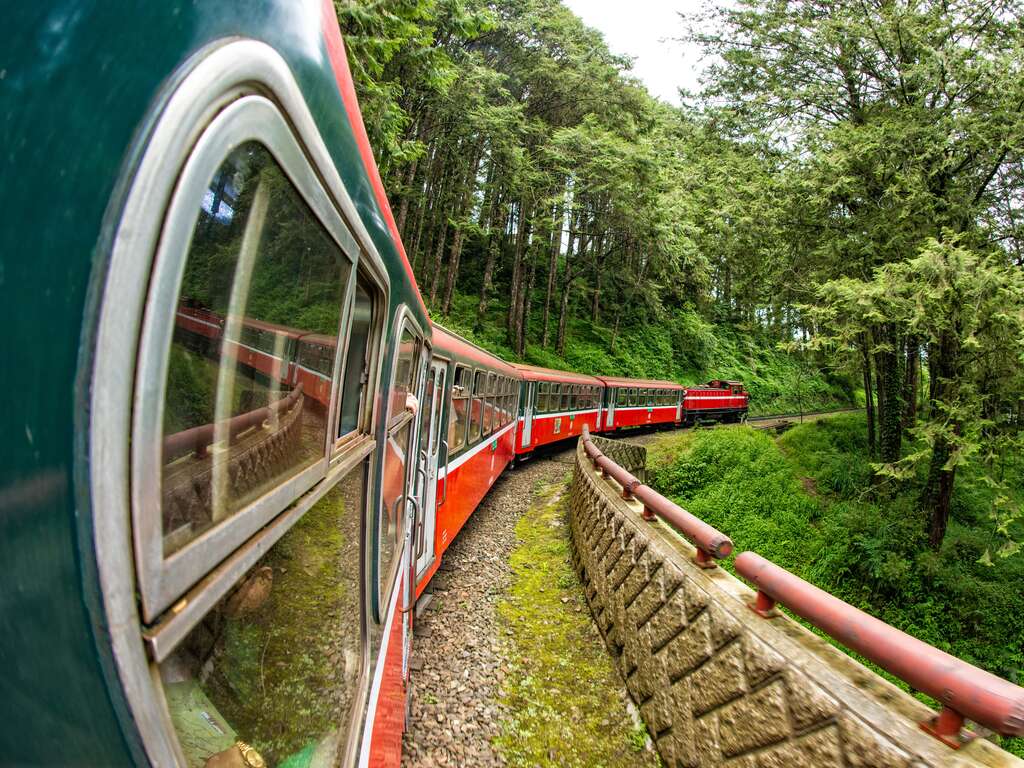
{"points": [[803, 500], [565, 702], [846, 185]]}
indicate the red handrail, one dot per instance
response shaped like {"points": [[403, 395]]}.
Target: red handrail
{"points": [[198, 438], [711, 543], [964, 690]]}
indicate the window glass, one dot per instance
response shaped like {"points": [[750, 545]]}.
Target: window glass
{"points": [[354, 401], [276, 663], [477, 411], [542, 397], [261, 272], [391, 521], [488, 404], [620, 396], [405, 369], [458, 421]]}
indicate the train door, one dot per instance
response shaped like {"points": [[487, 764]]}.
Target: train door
{"points": [[680, 396], [430, 453], [531, 396], [612, 394]]}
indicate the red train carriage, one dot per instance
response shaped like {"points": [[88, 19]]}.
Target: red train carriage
{"points": [[467, 437], [718, 400], [555, 405], [640, 402]]}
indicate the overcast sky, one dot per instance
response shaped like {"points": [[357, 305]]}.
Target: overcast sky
{"points": [[643, 29]]}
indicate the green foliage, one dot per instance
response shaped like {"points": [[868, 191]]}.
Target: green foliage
{"points": [[801, 502], [551, 719]]}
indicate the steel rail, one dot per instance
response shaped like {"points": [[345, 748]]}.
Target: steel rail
{"points": [[711, 543], [964, 691], [197, 439]]}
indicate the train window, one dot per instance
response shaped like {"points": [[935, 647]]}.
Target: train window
{"points": [[276, 663], [542, 397], [259, 258], [405, 369], [355, 404], [489, 405], [477, 409], [502, 399], [458, 422]]}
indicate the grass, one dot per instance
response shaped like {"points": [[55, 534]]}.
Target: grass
{"points": [[683, 346], [565, 701], [803, 501]]}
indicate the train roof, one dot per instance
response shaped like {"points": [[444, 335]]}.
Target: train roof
{"points": [[536, 373], [619, 381], [449, 342]]}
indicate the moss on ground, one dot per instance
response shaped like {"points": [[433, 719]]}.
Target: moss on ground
{"points": [[566, 703]]}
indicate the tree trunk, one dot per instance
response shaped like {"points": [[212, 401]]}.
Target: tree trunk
{"points": [[453, 271], [869, 397], [495, 216], [435, 264], [527, 302], [937, 496], [517, 268], [522, 297], [890, 398], [555, 249], [913, 372], [563, 317]]}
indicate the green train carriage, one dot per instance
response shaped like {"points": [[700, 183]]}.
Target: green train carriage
{"points": [[188, 508]]}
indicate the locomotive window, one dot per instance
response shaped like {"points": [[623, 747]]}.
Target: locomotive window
{"points": [[355, 403], [260, 259], [477, 409], [276, 663], [458, 422]]}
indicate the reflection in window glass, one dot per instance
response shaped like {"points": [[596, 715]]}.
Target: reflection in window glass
{"points": [[476, 413], [276, 664], [488, 404], [354, 401], [458, 421], [405, 369], [391, 524], [239, 416]]}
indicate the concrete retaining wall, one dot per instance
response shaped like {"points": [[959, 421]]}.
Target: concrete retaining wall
{"points": [[718, 685]]}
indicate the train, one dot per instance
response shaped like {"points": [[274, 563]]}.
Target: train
{"points": [[237, 446]]}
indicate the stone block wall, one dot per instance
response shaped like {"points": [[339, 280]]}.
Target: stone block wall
{"points": [[716, 684]]}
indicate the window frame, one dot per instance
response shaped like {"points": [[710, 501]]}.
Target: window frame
{"points": [[381, 589], [163, 580], [221, 76], [375, 352], [476, 433], [463, 438]]}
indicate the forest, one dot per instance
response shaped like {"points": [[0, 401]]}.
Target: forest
{"points": [[834, 218]]}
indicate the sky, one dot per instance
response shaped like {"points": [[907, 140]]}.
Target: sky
{"points": [[643, 29]]}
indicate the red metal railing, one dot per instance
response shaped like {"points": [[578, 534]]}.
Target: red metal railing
{"points": [[197, 439], [711, 543], [964, 690]]}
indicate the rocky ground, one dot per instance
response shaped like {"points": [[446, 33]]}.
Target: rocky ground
{"points": [[458, 663], [500, 652]]}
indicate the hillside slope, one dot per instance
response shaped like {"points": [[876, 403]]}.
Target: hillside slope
{"points": [[684, 347]]}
